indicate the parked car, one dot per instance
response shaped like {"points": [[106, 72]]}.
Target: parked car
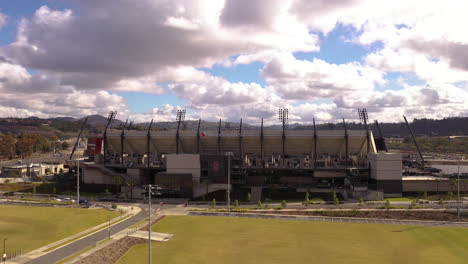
{"points": [[84, 202], [68, 199]]}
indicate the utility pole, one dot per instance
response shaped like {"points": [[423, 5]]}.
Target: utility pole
{"points": [[108, 226]]}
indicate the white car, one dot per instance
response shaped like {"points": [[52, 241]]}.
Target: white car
{"points": [[67, 199]]}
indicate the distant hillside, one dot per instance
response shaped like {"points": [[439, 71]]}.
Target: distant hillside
{"points": [[64, 127], [97, 120]]}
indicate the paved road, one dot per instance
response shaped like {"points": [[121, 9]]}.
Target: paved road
{"points": [[78, 245]]}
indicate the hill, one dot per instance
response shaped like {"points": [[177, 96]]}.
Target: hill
{"points": [[64, 127]]}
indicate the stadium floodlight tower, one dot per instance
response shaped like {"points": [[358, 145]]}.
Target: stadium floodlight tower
{"points": [[363, 117], [180, 118], [283, 116], [111, 117]]}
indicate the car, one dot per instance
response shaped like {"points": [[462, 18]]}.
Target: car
{"points": [[68, 199], [84, 202]]}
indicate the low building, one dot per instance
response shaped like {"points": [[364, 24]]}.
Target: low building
{"points": [[14, 171]]}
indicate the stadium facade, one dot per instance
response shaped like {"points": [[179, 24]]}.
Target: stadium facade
{"points": [[195, 163]]}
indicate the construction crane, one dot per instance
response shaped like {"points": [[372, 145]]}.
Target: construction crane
{"points": [[78, 138]]}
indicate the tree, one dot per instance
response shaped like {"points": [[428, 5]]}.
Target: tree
{"points": [[283, 204], [259, 204], [361, 201], [117, 182], [213, 203], [307, 199], [236, 203], [7, 146], [336, 201], [130, 183], [65, 145]]}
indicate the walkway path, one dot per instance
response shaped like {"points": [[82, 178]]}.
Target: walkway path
{"points": [[337, 219]]}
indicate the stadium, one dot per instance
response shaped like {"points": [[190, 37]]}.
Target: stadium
{"points": [[191, 164]]}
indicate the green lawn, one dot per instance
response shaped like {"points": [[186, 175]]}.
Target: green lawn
{"points": [[29, 227], [210, 240], [399, 199]]}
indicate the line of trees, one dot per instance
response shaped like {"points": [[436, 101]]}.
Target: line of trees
{"points": [[25, 144]]}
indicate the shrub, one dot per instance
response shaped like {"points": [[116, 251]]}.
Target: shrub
{"points": [[450, 196], [213, 203], [249, 197], [441, 201], [425, 195], [387, 204], [259, 204], [377, 196], [236, 203], [278, 208], [114, 206], [336, 201], [351, 213], [361, 202], [283, 204], [266, 206]]}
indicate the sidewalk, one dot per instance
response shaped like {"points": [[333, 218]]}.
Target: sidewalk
{"points": [[130, 211]]}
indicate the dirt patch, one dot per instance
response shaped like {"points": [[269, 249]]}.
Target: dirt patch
{"points": [[400, 215], [112, 252]]}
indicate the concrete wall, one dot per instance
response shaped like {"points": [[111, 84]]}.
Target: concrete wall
{"points": [[433, 186], [184, 164], [385, 166], [92, 175]]}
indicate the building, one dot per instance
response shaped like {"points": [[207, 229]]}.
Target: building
{"points": [[14, 171], [33, 170], [194, 163]]}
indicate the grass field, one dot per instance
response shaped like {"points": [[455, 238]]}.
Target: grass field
{"points": [[29, 227], [210, 240]]}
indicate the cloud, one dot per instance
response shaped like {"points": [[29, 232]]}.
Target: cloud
{"points": [[75, 61], [301, 79], [101, 43], [3, 20]]}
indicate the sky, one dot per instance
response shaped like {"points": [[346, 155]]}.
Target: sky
{"points": [[232, 59]]}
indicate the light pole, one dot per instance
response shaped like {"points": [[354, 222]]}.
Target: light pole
{"points": [[149, 222], [229, 183], [4, 251], [108, 226], [458, 190], [78, 181]]}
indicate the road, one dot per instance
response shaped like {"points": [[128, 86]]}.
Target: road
{"points": [[78, 245]]}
